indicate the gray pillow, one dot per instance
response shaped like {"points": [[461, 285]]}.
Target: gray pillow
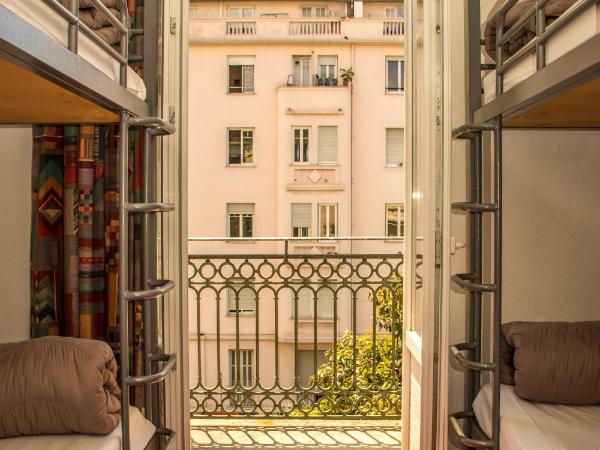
{"points": [[556, 362]]}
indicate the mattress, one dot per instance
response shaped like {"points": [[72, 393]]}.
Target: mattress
{"points": [[526, 425], [583, 27], [141, 431], [42, 17]]}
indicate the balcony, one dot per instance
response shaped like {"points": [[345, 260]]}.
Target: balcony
{"points": [[285, 29]]}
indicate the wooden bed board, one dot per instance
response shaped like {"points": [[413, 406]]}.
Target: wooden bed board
{"points": [[575, 108], [26, 98]]}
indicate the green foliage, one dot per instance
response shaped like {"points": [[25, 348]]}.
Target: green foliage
{"points": [[362, 375]]}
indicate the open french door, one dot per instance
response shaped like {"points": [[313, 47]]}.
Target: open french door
{"points": [[422, 282]]}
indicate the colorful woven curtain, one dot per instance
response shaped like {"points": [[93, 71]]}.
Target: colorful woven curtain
{"points": [[74, 239]]}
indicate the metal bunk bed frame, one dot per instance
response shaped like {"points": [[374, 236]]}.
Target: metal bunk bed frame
{"points": [[548, 80], [22, 43]]}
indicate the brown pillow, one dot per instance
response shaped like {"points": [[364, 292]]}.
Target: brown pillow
{"points": [[507, 365], [55, 385], [556, 362]]}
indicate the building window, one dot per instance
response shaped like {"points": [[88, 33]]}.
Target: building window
{"points": [[246, 300], [301, 219], [394, 147], [240, 220], [241, 370], [318, 11], [241, 74], [327, 144], [394, 220], [309, 362], [301, 137], [327, 73], [240, 146], [243, 13], [394, 74], [392, 12], [327, 220], [306, 303], [301, 68]]}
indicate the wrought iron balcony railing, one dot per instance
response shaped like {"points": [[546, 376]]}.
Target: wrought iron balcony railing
{"points": [[304, 335]]}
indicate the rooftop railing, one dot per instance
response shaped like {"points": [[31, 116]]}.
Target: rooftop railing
{"points": [[286, 334]]}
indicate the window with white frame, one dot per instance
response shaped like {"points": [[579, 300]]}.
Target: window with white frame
{"points": [[240, 219], [327, 65], [241, 300], [394, 220], [313, 11], [242, 370], [238, 12], [306, 303], [301, 144], [301, 219], [394, 147], [392, 12], [327, 144], [327, 220], [394, 74], [241, 74], [301, 70], [240, 146]]}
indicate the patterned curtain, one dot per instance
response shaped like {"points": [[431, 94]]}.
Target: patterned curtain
{"points": [[74, 239]]}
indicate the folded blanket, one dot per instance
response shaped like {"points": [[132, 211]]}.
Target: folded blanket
{"points": [[95, 19], [57, 385], [553, 9]]}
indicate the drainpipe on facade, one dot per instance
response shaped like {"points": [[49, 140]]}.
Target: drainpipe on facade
{"points": [[351, 152]]}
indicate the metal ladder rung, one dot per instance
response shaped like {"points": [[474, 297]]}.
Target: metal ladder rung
{"points": [[456, 352], [154, 207], [474, 207], [470, 130], [465, 440], [157, 377], [172, 436], [464, 280], [160, 126], [161, 288]]}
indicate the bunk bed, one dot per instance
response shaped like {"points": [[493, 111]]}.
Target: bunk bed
{"points": [[57, 68], [540, 71]]}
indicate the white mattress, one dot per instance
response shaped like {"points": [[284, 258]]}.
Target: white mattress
{"points": [[141, 431], [582, 28], [46, 20], [528, 425]]}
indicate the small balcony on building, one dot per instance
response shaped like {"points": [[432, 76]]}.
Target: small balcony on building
{"points": [[285, 341], [296, 29]]}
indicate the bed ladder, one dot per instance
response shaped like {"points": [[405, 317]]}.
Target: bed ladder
{"points": [[467, 355], [152, 288]]}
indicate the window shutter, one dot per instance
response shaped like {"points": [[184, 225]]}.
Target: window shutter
{"points": [[394, 146], [241, 60], [325, 303], [240, 208], [248, 78], [327, 60], [305, 304], [301, 214], [327, 144]]}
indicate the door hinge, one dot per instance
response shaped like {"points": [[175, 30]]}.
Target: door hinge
{"points": [[172, 114], [173, 25]]}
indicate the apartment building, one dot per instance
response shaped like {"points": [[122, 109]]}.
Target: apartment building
{"points": [[296, 129]]}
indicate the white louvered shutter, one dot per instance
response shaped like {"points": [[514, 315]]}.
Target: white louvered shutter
{"points": [[394, 146], [301, 214], [247, 78], [240, 208], [327, 144]]}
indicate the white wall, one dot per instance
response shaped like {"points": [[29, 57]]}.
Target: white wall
{"points": [[551, 225], [15, 198]]}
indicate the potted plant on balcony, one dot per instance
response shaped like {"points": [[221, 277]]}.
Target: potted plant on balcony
{"points": [[347, 75]]}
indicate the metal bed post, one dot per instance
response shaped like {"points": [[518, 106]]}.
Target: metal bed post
{"points": [[124, 44], [152, 288], [74, 27]]}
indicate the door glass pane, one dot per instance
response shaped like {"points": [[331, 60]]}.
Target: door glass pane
{"points": [[234, 147], [248, 146]]}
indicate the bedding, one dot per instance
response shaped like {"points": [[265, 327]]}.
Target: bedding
{"points": [[55, 385], [141, 432], [94, 19], [556, 362], [529, 425], [47, 21], [553, 9]]}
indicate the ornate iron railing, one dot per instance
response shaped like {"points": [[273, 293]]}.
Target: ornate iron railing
{"points": [[307, 335]]}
